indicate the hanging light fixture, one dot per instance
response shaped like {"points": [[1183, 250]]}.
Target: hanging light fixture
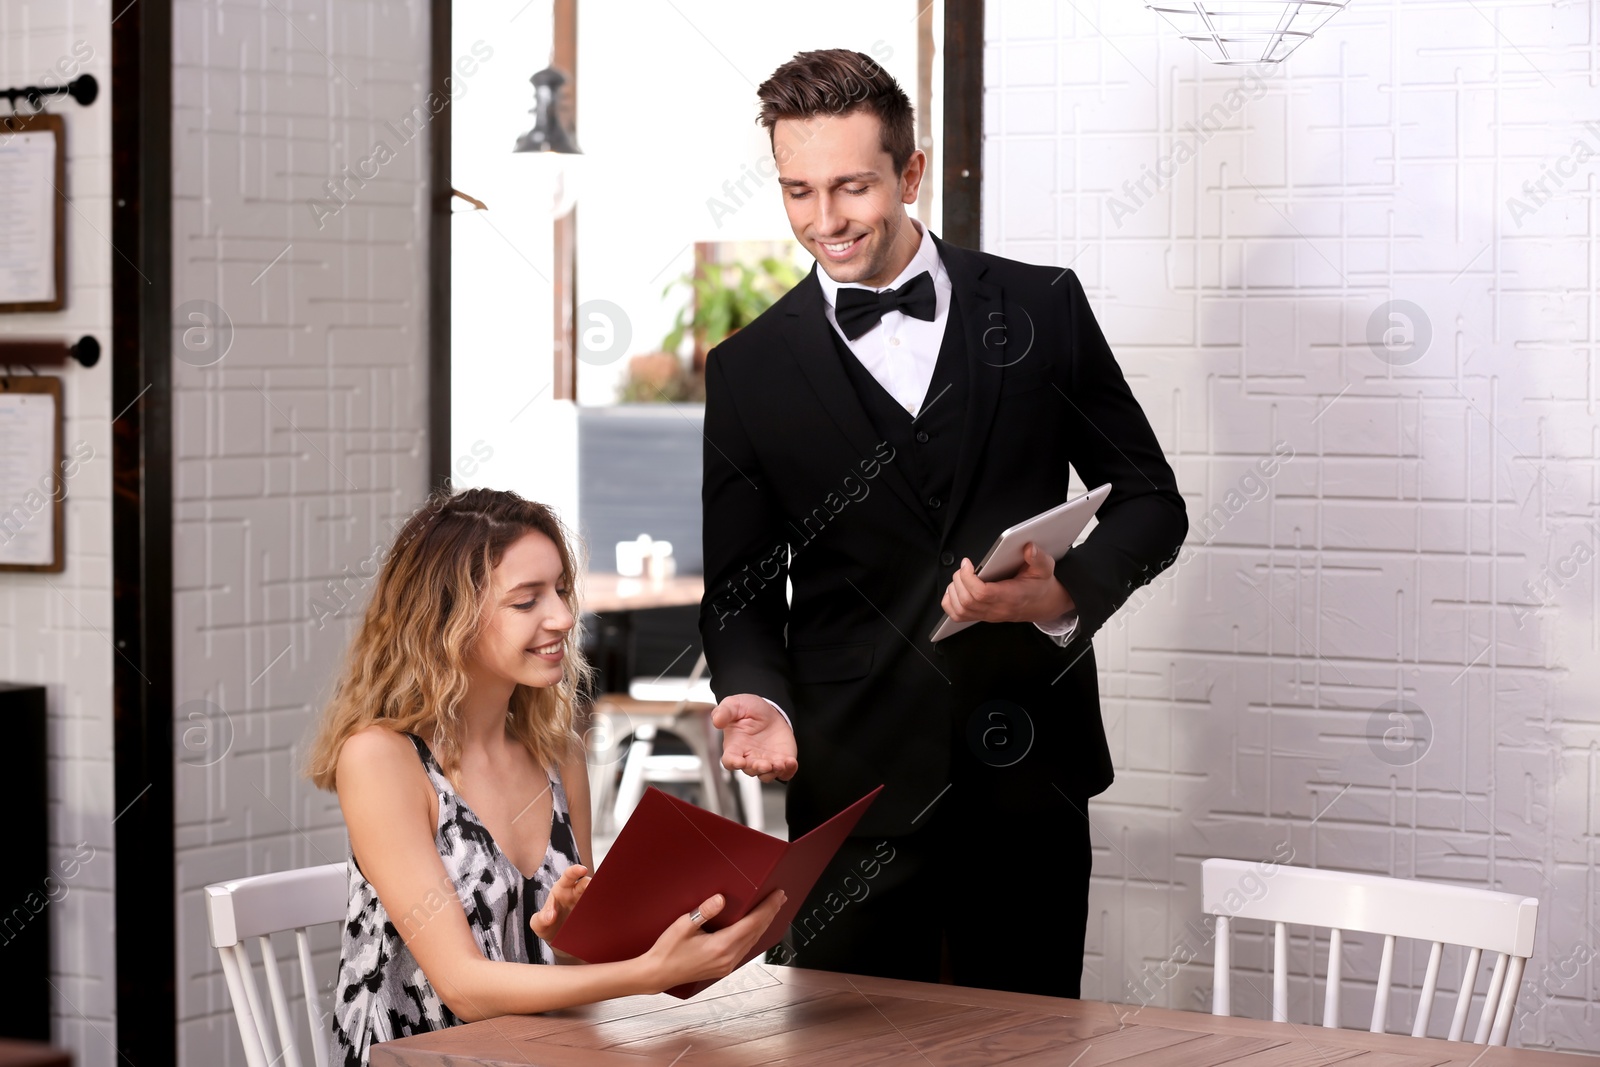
{"points": [[547, 135], [1247, 31], [557, 178]]}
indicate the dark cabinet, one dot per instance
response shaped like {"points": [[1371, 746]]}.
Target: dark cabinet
{"points": [[27, 889]]}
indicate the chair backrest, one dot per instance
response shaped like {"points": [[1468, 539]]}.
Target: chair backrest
{"points": [[1480, 920], [259, 907], [695, 689]]}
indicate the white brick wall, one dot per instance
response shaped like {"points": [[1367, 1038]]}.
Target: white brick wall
{"points": [[298, 447], [1432, 541], [55, 628]]}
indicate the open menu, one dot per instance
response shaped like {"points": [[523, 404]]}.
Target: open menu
{"points": [[671, 856]]}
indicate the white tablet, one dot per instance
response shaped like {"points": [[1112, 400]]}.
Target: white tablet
{"points": [[1054, 531]]}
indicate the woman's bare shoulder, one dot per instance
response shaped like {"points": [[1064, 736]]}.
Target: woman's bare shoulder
{"points": [[378, 752]]}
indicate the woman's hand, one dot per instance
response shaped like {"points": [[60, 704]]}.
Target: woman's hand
{"points": [[685, 952], [564, 896]]}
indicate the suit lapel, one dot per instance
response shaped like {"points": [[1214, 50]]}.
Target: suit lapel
{"points": [[983, 312], [813, 350]]}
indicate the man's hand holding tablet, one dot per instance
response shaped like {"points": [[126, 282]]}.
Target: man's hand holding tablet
{"points": [[1015, 581], [1033, 595]]}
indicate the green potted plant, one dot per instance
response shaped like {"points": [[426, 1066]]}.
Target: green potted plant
{"points": [[724, 297]]}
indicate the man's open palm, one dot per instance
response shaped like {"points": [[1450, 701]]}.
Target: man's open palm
{"points": [[756, 739]]}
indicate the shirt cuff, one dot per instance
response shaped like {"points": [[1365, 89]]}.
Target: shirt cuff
{"points": [[1061, 628], [785, 714]]}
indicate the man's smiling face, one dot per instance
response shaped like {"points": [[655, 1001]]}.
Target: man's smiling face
{"points": [[845, 200]]}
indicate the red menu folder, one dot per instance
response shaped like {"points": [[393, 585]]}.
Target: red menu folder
{"points": [[671, 856]]}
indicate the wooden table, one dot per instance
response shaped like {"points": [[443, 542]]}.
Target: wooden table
{"points": [[781, 1015], [603, 592], [615, 599]]}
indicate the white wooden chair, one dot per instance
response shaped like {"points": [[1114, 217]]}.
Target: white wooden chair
{"points": [[1481, 920], [683, 707], [260, 907]]}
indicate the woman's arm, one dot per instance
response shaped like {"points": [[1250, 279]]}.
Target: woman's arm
{"points": [[575, 779], [565, 894], [387, 805]]}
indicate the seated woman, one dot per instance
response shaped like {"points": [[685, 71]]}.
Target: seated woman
{"points": [[450, 742]]}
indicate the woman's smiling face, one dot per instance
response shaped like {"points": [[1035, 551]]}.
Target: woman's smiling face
{"points": [[526, 620]]}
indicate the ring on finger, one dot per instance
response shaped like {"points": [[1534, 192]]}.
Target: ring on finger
{"points": [[696, 918]]}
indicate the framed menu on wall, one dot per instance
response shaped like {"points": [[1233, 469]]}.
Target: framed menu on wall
{"points": [[32, 475], [33, 213]]}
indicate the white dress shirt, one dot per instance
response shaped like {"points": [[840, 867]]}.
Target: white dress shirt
{"points": [[901, 350]]}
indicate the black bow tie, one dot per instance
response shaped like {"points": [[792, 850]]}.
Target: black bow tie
{"points": [[859, 310]]}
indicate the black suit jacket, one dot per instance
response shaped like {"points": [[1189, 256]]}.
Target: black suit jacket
{"points": [[797, 483]]}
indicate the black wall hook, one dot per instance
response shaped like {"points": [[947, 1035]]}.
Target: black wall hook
{"points": [[84, 89]]}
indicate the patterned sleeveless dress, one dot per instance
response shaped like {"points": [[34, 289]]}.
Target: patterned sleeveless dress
{"points": [[382, 993]]}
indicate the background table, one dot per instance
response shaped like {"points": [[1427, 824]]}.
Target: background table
{"points": [[615, 600], [782, 1015], [605, 593]]}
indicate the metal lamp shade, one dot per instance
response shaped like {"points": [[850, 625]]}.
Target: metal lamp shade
{"points": [[1247, 31], [547, 135]]}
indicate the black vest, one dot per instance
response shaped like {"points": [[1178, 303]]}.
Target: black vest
{"points": [[927, 447]]}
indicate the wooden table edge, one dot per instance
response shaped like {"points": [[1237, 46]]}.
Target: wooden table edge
{"points": [[1365, 1041], [1112, 1016]]}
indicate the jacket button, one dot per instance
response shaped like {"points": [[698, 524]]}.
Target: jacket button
{"points": [[922, 436], [933, 502], [947, 559]]}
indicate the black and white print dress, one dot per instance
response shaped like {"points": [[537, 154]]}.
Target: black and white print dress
{"points": [[382, 993]]}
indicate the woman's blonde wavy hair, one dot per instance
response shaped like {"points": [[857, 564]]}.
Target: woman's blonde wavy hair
{"points": [[406, 668]]}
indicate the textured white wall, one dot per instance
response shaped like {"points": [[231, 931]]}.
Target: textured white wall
{"points": [[55, 628], [1428, 552], [300, 415]]}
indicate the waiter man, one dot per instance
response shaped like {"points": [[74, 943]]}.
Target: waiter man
{"points": [[867, 438]]}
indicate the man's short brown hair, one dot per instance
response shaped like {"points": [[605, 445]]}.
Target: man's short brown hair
{"points": [[837, 81]]}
